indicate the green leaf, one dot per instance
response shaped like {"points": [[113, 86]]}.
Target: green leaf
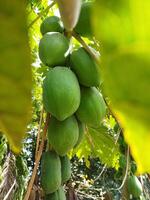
{"points": [[98, 143], [123, 29], [15, 72]]}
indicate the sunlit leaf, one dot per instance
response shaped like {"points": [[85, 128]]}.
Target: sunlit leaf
{"points": [[98, 143], [15, 72], [122, 28]]}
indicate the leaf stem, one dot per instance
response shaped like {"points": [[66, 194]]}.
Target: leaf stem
{"points": [[87, 48]]}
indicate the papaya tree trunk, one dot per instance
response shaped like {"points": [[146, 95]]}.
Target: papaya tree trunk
{"points": [[7, 186]]}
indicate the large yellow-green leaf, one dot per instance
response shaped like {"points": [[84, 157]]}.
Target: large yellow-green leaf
{"points": [[15, 72], [123, 29]]}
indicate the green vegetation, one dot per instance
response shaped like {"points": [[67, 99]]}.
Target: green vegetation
{"points": [[134, 186], [53, 49], [63, 135], [65, 169], [50, 172], [87, 135], [51, 24], [92, 108], [84, 25], [86, 69], [61, 92]]}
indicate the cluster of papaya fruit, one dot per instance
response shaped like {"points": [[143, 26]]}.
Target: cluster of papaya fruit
{"points": [[70, 94]]}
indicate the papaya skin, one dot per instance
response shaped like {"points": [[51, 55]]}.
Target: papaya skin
{"points": [[53, 49], [50, 172], [65, 168], [92, 107], [51, 24], [84, 25], [63, 135], [61, 194], [81, 133], [61, 93], [85, 68], [134, 186]]}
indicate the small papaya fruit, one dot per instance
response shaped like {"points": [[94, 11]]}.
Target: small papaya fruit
{"points": [[51, 24], [85, 68], [63, 135], [61, 194], [92, 107], [61, 92], [81, 133], [84, 25], [53, 49], [50, 172], [65, 168], [134, 186]]}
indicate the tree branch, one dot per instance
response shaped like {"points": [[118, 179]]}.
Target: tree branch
{"points": [[41, 14], [10, 190], [37, 159]]}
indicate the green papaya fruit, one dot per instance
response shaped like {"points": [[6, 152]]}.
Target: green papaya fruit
{"points": [[52, 196], [63, 135], [85, 68], [53, 49], [61, 92], [61, 194], [134, 186], [81, 133], [51, 24], [65, 168], [84, 25], [92, 107], [50, 172]]}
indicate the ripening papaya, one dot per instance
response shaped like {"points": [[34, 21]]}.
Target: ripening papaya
{"points": [[65, 168], [61, 92], [63, 135], [50, 172], [53, 49], [81, 133], [51, 24], [84, 25], [85, 68], [134, 186], [92, 107], [61, 193]]}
